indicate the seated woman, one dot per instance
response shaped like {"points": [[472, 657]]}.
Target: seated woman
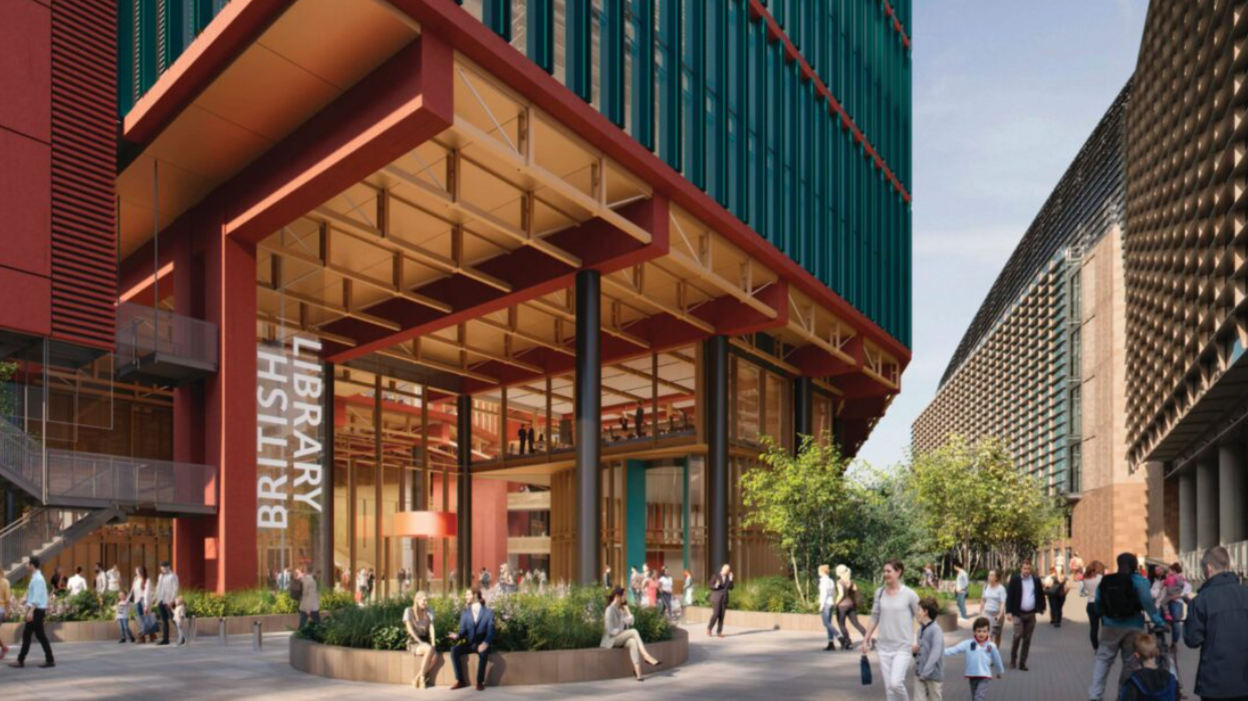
{"points": [[418, 620], [618, 632]]}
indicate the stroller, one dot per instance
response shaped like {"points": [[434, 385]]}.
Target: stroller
{"points": [[1168, 655]]}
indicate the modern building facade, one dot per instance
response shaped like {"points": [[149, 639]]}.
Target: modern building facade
{"points": [[1187, 314], [453, 286], [1041, 365]]}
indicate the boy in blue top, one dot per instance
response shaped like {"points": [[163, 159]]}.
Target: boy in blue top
{"points": [[982, 659]]}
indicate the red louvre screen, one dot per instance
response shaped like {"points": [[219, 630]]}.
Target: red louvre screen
{"points": [[84, 164]]}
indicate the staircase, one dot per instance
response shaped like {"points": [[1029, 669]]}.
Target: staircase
{"points": [[46, 531], [78, 492]]}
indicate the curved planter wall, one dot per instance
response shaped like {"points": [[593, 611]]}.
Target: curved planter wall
{"points": [[800, 622], [89, 631], [506, 669]]}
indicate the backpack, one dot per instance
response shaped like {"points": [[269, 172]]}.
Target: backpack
{"points": [[1169, 693], [1118, 596]]}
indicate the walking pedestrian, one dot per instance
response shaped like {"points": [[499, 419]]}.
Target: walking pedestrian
{"points": [[1092, 575], [1148, 683], [893, 614], [6, 593], [485, 579], [181, 620], [101, 579], [992, 605], [983, 658], [122, 614], [929, 665], [1055, 589], [848, 600], [720, 586], [309, 598], [166, 595], [77, 584], [606, 577], [36, 611], [960, 587], [1217, 624], [618, 631], [113, 576], [1023, 600], [634, 585], [476, 631], [1172, 602], [141, 596], [665, 592], [1124, 600], [827, 604], [652, 589]]}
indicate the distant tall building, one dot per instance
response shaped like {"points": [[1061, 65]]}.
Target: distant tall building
{"points": [[1040, 367], [1186, 252]]}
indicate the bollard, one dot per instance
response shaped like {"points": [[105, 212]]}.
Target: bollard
{"points": [[257, 636], [193, 632], [225, 639]]}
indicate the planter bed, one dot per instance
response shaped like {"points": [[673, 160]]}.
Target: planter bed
{"points": [[88, 631], [801, 622], [505, 669]]}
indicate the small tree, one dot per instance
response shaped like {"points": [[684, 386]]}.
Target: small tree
{"points": [[890, 524], [804, 503]]}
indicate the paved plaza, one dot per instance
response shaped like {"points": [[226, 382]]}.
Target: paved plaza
{"points": [[747, 664]]}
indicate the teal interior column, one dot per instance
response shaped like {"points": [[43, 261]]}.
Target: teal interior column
{"points": [[635, 516]]}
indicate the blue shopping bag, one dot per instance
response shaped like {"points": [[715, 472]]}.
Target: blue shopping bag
{"points": [[866, 671]]}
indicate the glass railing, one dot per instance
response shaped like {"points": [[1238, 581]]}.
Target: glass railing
{"points": [[167, 485], [143, 331]]}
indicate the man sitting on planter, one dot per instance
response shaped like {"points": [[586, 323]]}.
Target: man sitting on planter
{"points": [[476, 631]]}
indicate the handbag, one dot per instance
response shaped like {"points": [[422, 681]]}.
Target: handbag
{"points": [[865, 665]]}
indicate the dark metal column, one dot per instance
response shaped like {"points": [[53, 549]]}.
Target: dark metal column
{"points": [[326, 577], [588, 413], [715, 383], [463, 510], [803, 394]]}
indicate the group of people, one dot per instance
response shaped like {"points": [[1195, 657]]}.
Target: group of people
{"points": [[839, 600], [1123, 607], [654, 588], [511, 581]]}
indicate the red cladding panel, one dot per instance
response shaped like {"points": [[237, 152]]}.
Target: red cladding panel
{"points": [[24, 203], [25, 305], [25, 68], [84, 234]]}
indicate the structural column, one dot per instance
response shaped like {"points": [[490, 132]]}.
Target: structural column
{"points": [[1207, 504], [1187, 511], [326, 578], [715, 383], [1232, 494], [803, 392], [463, 509], [588, 416]]}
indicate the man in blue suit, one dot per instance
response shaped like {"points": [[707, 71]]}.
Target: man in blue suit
{"points": [[476, 630]]}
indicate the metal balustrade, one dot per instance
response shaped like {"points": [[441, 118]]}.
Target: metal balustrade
{"points": [[162, 347]]}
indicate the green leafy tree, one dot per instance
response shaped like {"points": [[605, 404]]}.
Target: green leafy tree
{"points": [[890, 525], [804, 503], [973, 500]]}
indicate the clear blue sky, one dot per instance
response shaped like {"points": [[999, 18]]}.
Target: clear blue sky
{"points": [[1005, 95]]}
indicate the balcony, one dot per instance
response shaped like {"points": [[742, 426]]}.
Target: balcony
{"points": [[159, 347]]}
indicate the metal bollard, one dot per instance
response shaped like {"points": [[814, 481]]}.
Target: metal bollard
{"points": [[194, 631], [225, 639], [257, 636]]}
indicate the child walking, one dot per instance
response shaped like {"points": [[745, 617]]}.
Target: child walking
{"points": [[982, 658], [179, 619], [123, 621], [930, 666], [1149, 683]]}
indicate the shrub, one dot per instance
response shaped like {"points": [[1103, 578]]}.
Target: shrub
{"points": [[561, 619]]}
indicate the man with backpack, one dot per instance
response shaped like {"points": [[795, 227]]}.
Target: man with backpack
{"points": [[1217, 623], [1123, 600]]}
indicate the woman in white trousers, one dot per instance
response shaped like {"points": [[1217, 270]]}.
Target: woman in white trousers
{"points": [[893, 614]]}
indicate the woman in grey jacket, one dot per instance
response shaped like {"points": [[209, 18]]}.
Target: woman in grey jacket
{"points": [[618, 631]]}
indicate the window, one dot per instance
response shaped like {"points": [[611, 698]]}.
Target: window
{"points": [[745, 393]]}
